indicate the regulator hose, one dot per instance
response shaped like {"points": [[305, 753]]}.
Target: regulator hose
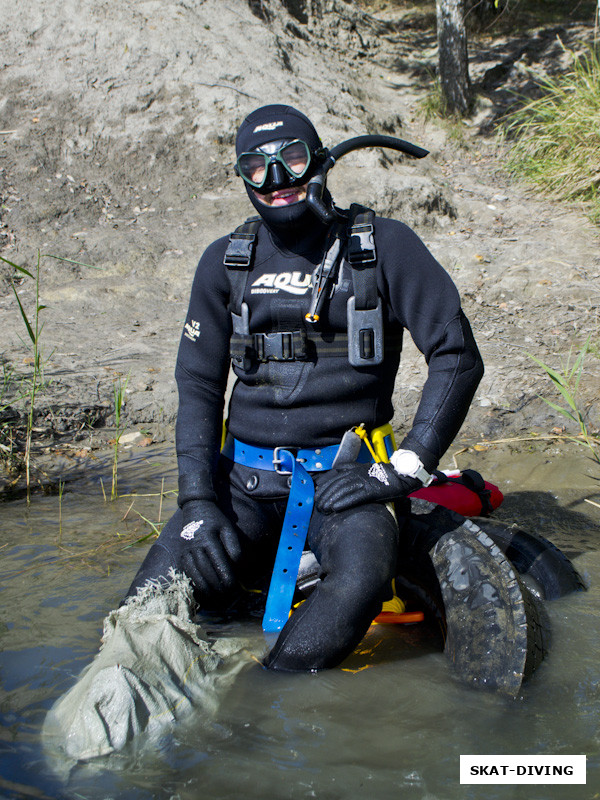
{"points": [[316, 185]]}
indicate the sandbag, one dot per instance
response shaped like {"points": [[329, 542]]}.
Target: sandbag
{"points": [[155, 666]]}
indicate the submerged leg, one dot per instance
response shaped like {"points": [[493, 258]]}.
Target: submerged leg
{"points": [[357, 550], [162, 556]]}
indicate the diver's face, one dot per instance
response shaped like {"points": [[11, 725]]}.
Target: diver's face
{"points": [[282, 197], [274, 171]]}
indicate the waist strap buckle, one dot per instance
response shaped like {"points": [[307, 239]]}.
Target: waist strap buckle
{"points": [[280, 346]]}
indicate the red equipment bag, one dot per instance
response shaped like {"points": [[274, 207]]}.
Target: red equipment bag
{"points": [[463, 491]]}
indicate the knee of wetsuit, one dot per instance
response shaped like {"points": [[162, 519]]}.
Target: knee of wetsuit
{"points": [[357, 550], [323, 631]]}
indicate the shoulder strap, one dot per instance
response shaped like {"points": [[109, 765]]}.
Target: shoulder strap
{"points": [[362, 256], [365, 314], [238, 260]]}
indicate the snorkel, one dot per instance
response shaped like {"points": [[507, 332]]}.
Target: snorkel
{"points": [[316, 185], [327, 213]]}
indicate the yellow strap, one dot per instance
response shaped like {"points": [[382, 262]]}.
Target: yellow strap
{"points": [[395, 605], [362, 434], [223, 434]]}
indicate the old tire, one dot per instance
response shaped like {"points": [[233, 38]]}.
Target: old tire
{"points": [[544, 567], [496, 633]]}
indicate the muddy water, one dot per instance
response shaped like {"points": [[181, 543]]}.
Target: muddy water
{"points": [[394, 728]]}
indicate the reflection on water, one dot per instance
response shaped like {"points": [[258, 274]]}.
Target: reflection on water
{"points": [[396, 729]]}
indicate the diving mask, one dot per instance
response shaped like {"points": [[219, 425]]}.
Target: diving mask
{"points": [[274, 165]]}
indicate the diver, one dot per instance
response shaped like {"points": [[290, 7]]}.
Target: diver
{"points": [[309, 310]]}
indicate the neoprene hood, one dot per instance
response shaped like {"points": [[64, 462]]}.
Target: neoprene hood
{"points": [[268, 124], [275, 122]]}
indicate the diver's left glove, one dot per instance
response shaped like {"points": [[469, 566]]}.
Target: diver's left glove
{"points": [[355, 484], [211, 547]]}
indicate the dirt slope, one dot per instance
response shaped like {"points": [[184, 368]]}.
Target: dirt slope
{"points": [[116, 131]]}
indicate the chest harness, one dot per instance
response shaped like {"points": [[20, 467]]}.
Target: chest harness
{"points": [[364, 345], [364, 340]]}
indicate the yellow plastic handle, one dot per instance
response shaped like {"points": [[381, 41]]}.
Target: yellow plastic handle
{"points": [[377, 449], [378, 437]]}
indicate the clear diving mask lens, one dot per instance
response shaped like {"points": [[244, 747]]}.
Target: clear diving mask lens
{"points": [[256, 166]]}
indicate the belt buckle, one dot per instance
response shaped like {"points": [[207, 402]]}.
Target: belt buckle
{"points": [[277, 461]]}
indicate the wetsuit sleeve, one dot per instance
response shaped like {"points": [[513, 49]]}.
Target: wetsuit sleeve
{"points": [[201, 374], [425, 301]]}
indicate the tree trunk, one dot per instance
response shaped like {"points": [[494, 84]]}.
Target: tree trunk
{"points": [[452, 54]]}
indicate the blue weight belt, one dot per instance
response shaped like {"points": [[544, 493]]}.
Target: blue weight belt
{"points": [[297, 463]]}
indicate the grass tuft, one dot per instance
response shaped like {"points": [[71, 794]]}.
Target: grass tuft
{"points": [[119, 391], [433, 107], [567, 380], [555, 139]]}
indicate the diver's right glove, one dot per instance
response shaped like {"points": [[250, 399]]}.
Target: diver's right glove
{"points": [[211, 547], [355, 484]]}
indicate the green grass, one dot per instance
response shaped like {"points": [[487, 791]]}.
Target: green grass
{"points": [[555, 139], [34, 383], [433, 107], [14, 387], [119, 392], [566, 381]]}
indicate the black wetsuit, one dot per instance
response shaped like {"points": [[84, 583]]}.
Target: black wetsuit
{"points": [[311, 403]]}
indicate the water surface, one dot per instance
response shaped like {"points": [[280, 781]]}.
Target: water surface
{"points": [[392, 723]]}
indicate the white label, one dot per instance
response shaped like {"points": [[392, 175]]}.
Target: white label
{"points": [[189, 530], [523, 769], [377, 471], [268, 126]]}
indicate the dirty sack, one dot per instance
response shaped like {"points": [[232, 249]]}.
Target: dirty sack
{"points": [[155, 667]]}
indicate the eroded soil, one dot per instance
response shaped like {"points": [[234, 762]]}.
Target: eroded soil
{"points": [[116, 131]]}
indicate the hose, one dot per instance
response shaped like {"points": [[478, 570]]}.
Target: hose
{"points": [[316, 185]]}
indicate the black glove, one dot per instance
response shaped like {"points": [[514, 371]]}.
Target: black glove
{"points": [[210, 549], [355, 484]]}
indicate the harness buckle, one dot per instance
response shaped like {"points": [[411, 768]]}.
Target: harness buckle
{"points": [[280, 346], [361, 245], [239, 250]]}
